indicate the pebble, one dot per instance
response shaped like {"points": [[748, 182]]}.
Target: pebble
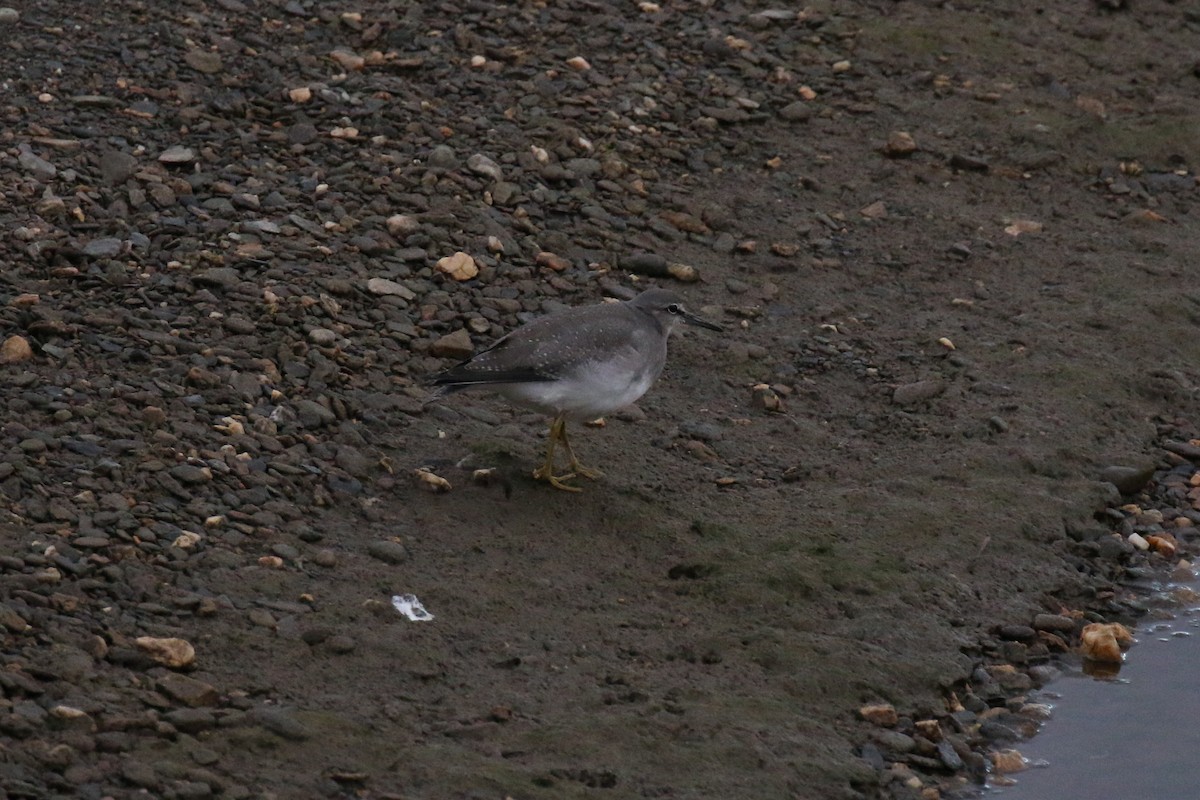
{"points": [[910, 394], [1128, 480], [204, 61], [1054, 622], [949, 756], [103, 248], [191, 720], [797, 111], [170, 652], [322, 337], [460, 266], [482, 165], [117, 167], [1017, 633], [281, 722], [186, 690], [900, 144], [39, 167], [177, 154], [388, 551], [456, 345], [390, 288], [704, 431], [9, 16], [191, 475], [882, 714], [312, 414], [15, 349], [1008, 761], [442, 157], [895, 741]]}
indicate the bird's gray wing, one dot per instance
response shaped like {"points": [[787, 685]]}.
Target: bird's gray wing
{"points": [[542, 349]]}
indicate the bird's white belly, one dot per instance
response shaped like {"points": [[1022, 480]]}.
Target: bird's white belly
{"points": [[598, 389]]}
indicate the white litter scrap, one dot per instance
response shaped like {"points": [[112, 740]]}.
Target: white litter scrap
{"points": [[410, 606]]}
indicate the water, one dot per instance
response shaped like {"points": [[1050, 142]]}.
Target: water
{"points": [[1134, 735]]}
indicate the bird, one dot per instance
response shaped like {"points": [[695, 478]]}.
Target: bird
{"points": [[577, 364]]}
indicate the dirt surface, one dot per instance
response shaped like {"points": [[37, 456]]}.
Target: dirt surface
{"points": [[958, 243]]}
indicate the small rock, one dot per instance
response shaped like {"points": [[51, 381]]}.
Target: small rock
{"points": [[909, 394], [949, 757], [191, 475], [1017, 633], [188, 691], [1113, 547], [1186, 449], [442, 157], [1102, 642], [322, 337], [552, 261], [401, 225], [11, 620], [704, 431], [882, 714], [1128, 480], [482, 165], [1056, 623], [900, 144], [173, 653], [191, 720], [453, 345], [766, 398], [385, 287], [1008, 761], [312, 414], [388, 551], [15, 350], [347, 59], [177, 154], [204, 61], [224, 277], [353, 461], [139, 773], [796, 111], [281, 722], [895, 741], [38, 166], [103, 248], [9, 16], [117, 167], [460, 266]]}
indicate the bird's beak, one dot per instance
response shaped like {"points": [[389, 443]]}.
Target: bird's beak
{"points": [[691, 319]]}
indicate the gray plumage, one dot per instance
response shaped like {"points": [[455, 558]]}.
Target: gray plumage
{"points": [[580, 363]]}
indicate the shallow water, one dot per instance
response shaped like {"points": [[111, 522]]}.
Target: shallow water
{"points": [[1134, 735]]}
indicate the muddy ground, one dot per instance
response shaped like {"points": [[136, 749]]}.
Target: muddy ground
{"points": [[958, 242]]}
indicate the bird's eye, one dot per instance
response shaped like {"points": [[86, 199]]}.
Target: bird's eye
{"points": [[674, 308]]}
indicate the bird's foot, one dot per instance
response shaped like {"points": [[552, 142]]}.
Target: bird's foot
{"points": [[584, 472], [546, 473]]}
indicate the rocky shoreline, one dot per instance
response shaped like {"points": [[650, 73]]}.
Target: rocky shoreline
{"points": [[1146, 534]]}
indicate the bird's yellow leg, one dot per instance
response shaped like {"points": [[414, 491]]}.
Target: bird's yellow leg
{"points": [[546, 471], [574, 465]]}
